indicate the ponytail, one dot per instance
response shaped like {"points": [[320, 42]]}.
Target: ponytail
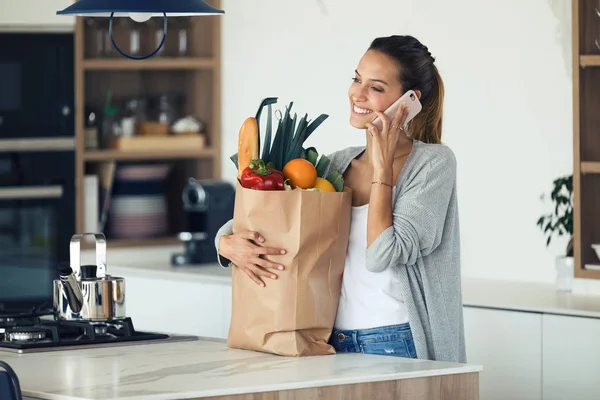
{"points": [[427, 126]]}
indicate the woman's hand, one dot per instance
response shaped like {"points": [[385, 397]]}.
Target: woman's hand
{"points": [[384, 143], [244, 252]]}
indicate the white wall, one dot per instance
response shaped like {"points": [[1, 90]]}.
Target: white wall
{"points": [[38, 15], [508, 113]]}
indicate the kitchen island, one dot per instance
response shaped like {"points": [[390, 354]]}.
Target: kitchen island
{"points": [[208, 369]]}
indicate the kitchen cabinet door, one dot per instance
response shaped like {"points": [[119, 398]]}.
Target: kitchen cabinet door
{"points": [[508, 345], [34, 14], [176, 306], [571, 355]]}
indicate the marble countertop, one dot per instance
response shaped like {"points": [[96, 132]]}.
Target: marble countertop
{"points": [[486, 293], [528, 296], [197, 369]]}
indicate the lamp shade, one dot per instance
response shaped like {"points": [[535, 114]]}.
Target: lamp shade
{"points": [[124, 8]]}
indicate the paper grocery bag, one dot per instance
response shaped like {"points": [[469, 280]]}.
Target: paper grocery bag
{"points": [[294, 314]]}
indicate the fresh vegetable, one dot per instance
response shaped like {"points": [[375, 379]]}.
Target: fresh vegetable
{"points": [[311, 155], [334, 178], [301, 168], [324, 185], [259, 176], [300, 173], [337, 180], [322, 165], [247, 144], [289, 137]]}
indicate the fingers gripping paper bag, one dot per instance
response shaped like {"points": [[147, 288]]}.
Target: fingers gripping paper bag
{"points": [[286, 196]]}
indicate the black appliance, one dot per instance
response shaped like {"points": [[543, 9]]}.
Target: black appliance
{"points": [[36, 85], [40, 330], [37, 218], [208, 205]]}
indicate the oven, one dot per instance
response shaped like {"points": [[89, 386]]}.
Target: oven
{"points": [[37, 218]]}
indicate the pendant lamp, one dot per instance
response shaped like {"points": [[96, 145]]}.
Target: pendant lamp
{"points": [[139, 11]]}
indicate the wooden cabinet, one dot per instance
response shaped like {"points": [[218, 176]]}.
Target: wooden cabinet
{"points": [[28, 14], [586, 141], [508, 345], [571, 358], [184, 82]]}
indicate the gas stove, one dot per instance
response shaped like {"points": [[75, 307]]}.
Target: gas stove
{"points": [[38, 332]]}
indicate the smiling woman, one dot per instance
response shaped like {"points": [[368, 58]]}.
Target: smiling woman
{"points": [[401, 289]]}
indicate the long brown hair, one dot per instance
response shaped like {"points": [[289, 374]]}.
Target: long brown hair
{"points": [[417, 72]]}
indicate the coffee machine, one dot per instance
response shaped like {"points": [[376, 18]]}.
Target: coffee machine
{"points": [[208, 204]]}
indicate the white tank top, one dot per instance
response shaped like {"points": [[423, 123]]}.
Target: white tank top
{"points": [[368, 299]]}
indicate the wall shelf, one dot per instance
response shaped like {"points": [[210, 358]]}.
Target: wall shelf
{"points": [[590, 167], [117, 155], [589, 60], [190, 85], [118, 64]]}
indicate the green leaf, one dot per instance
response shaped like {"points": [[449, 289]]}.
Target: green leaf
{"points": [[266, 102], [314, 125], [275, 148], [312, 155], [268, 134], [295, 149], [290, 128], [540, 222], [323, 164]]}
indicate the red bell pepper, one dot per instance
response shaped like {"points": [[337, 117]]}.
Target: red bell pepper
{"points": [[259, 176]]}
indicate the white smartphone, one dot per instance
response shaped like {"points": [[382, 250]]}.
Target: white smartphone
{"points": [[410, 100]]}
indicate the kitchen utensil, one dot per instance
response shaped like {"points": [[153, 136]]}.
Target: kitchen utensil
{"points": [[86, 292]]}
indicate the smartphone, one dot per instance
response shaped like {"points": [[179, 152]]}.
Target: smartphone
{"points": [[410, 100]]}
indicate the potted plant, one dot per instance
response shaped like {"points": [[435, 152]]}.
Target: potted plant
{"points": [[560, 223]]}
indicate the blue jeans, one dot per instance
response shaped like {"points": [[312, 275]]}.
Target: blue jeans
{"points": [[393, 340]]}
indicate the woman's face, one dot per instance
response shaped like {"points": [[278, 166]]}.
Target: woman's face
{"points": [[375, 86]]}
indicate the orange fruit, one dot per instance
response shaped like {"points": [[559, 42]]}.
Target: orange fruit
{"points": [[301, 173], [324, 185]]}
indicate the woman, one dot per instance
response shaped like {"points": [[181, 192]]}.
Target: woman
{"points": [[401, 290]]}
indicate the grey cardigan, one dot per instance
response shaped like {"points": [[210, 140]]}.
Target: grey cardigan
{"points": [[422, 246]]}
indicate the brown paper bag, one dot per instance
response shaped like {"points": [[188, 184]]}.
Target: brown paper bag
{"points": [[294, 314]]}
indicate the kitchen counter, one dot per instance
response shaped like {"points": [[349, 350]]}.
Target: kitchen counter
{"points": [[528, 296], [485, 293], [207, 368]]}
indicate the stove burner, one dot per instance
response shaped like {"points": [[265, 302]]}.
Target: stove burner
{"points": [[14, 335], [101, 329], [41, 333]]}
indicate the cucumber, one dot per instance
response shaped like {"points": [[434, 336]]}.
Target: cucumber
{"points": [[312, 155], [337, 180], [322, 166]]}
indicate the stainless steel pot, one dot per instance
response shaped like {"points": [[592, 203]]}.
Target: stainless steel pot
{"points": [[86, 292]]}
